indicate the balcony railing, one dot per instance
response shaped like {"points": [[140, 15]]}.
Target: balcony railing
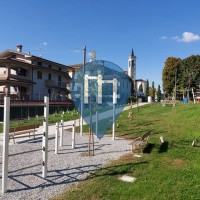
{"points": [[56, 84], [18, 77], [35, 97]]}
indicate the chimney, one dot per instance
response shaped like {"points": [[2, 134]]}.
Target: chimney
{"points": [[19, 48]]}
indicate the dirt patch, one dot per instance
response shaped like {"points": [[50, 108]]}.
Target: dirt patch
{"points": [[174, 163], [179, 163]]}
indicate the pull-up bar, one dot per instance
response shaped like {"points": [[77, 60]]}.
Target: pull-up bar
{"points": [[6, 142]]}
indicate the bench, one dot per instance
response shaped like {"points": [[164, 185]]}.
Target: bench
{"points": [[138, 142], [168, 102], [13, 132]]}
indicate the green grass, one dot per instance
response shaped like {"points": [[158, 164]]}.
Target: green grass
{"points": [[53, 118], [166, 171]]}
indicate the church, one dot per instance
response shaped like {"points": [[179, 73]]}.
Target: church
{"points": [[139, 85]]}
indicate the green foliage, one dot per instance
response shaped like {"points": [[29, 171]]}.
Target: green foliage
{"points": [[184, 73], [141, 87], [189, 72], [152, 91], [168, 75], [147, 89], [159, 94]]}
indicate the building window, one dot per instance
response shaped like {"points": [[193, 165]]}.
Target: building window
{"points": [[59, 80], [49, 92], [49, 66], [49, 76], [39, 74], [39, 63], [59, 69]]}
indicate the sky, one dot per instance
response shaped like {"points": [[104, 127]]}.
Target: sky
{"points": [[155, 29]]}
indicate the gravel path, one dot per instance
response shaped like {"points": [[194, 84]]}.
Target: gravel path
{"points": [[69, 167]]}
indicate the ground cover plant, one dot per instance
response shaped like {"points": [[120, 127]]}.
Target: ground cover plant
{"points": [[165, 171]]}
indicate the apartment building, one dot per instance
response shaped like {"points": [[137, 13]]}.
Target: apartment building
{"points": [[27, 77]]}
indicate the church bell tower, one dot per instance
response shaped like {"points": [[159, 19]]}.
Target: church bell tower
{"points": [[132, 66]]}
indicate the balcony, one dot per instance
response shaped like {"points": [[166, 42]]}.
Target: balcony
{"points": [[19, 77], [55, 84]]}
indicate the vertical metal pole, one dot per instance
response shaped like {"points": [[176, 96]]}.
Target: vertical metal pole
{"points": [[81, 118], [61, 133], [113, 128], [45, 136], [82, 91], [73, 135], [5, 143], [97, 123], [114, 102], [97, 114], [56, 137]]}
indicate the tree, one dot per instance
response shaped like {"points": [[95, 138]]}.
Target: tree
{"points": [[141, 88], [153, 91], [147, 89], [189, 73], [159, 94], [172, 66]]}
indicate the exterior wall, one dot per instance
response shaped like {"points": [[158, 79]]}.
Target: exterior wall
{"points": [[24, 79], [144, 85], [132, 67]]}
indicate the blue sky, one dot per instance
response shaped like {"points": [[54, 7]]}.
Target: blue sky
{"points": [[155, 29]]}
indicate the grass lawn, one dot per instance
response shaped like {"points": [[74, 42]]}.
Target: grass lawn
{"points": [[166, 171], [53, 118]]}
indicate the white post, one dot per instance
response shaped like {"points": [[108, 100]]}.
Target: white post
{"points": [[73, 134], [81, 124], [45, 136], [114, 102], [5, 143], [81, 118], [113, 128], [56, 137], [61, 133], [97, 123]]}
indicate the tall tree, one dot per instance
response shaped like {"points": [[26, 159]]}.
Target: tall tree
{"points": [[170, 69], [189, 73], [147, 89], [153, 91], [159, 94], [141, 88]]}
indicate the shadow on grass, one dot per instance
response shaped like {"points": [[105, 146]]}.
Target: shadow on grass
{"points": [[164, 147], [117, 169], [148, 149]]}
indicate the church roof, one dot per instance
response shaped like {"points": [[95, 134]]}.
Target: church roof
{"points": [[132, 53]]}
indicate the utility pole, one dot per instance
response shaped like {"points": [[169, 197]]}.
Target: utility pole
{"points": [[84, 55]]}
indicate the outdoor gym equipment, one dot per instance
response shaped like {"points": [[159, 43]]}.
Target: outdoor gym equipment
{"points": [[6, 142]]}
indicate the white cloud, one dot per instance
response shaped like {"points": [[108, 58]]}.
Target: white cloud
{"points": [[163, 37], [187, 37], [175, 38], [44, 43], [190, 37]]}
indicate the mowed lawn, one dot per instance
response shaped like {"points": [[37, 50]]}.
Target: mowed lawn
{"points": [[166, 171]]}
